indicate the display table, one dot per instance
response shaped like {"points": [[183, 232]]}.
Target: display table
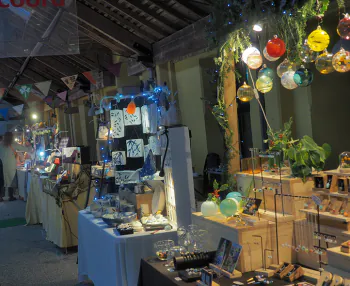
{"points": [[153, 272], [109, 259], [34, 212], [23, 182], [250, 259]]}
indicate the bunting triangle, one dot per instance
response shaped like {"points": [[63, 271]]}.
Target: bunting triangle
{"points": [[18, 108], [70, 81], [89, 76], [115, 69], [2, 92], [4, 113], [62, 95], [24, 90], [44, 87]]}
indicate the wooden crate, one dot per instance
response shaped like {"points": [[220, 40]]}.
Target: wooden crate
{"points": [[338, 259], [250, 258]]}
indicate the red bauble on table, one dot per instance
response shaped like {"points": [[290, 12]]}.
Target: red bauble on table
{"points": [[275, 47]]}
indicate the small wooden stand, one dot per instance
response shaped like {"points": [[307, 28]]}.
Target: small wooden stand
{"points": [[234, 275], [200, 283], [266, 272]]}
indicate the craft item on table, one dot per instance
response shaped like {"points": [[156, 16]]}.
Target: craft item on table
{"points": [[137, 226], [334, 206], [318, 40], [117, 123], [229, 207], [134, 148], [127, 177], [162, 248], [158, 199], [154, 144], [245, 93], [116, 218], [155, 220], [146, 124], [118, 158], [252, 206], [344, 162], [132, 119], [125, 229], [324, 205], [149, 167], [343, 207], [209, 208]]}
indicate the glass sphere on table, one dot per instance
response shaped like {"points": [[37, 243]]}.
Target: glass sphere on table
{"points": [[324, 63], [229, 207], [234, 195], [162, 248]]}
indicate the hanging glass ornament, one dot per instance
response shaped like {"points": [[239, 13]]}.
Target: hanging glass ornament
{"points": [[276, 47], [264, 84], [288, 80], [254, 61], [341, 61], [131, 107], [268, 57], [306, 54], [247, 52], [285, 66], [318, 40], [266, 71], [343, 28], [324, 63], [303, 77], [245, 93]]}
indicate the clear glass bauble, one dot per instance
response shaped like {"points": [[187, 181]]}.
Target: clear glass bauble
{"points": [[254, 61], [343, 28], [318, 40], [264, 84], [268, 57], [266, 71], [324, 64], [287, 80], [234, 195], [285, 66], [249, 51], [245, 93], [209, 208], [229, 207], [306, 54], [303, 77], [341, 61]]}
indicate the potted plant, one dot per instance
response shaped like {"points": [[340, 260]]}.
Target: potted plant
{"points": [[211, 206], [303, 155]]}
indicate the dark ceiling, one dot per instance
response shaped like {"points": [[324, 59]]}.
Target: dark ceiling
{"points": [[105, 28]]}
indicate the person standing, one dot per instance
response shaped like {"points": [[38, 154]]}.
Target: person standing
{"points": [[8, 154]]}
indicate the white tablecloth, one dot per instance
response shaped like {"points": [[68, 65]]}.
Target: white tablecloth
{"points": [[23, 180], [111, 260], [34, 212]]}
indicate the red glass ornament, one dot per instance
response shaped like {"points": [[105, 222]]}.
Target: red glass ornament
{"points": [[131, 107], [276, 47], [343, 28]]}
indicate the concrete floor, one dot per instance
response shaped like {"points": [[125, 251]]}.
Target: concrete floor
{"points": [[26, 258]]}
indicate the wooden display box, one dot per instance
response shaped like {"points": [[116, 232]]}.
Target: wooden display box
{"points": [[338, 259], [345, 247], [320, 181], [250, 259], [290, 186]]}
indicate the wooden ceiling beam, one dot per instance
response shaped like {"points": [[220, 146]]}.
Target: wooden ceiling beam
{"points": [[152, 13], [112, 30], [162, 30], [171, 11], [200, 13]]}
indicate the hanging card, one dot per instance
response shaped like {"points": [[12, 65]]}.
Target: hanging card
{"points": [[153, 118], [132, 119], [127, 177], [146, 125], [154, 145], [117, 123], [119, 158], [146, 151], [134, 148]]}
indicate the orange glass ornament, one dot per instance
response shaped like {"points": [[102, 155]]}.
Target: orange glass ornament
{"points": [[131, 109], [275, 47]]}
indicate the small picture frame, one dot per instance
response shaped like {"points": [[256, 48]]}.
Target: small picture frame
{"points": [[252, 206]]}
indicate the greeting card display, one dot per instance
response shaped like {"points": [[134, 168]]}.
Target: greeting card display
{"points": [[252, 206], [154, 145], [117, 123], [134, 148], [132, 119], [127, 177], [146, 124], [227, 255], [119, 158]]}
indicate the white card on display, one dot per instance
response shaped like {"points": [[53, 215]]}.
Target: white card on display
{"points": [[146, 151], [153, 118], [132, 119], [102, 132], [146, 127], [154, 144], [117, 123], [127, 177], [134, 148], [119, 158]]}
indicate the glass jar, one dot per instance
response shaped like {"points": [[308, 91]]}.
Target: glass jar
{"points": [[344, 162], [162, 248]]}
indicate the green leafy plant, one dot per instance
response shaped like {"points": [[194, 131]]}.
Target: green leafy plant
{"points": [[215, 197], [303, 154]]}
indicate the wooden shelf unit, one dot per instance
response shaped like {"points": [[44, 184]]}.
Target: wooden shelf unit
{"points": [[328, 215], [327, 193], [339, 260]]}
